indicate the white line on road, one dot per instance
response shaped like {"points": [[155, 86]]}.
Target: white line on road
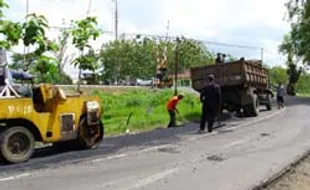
{"points": [[153, 178], [130, 154], [15, 177], [109, 158], [154, 148], [234, 143]]}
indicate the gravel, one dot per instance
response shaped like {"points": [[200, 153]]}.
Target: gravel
{"points": [[298, 178]]}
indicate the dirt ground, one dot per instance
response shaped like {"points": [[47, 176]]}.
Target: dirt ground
{"points": [[297, 179]]}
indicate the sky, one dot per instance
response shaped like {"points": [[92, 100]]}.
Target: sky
{"points": [[258, 23]]}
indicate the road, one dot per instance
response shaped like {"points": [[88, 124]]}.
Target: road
{"points": [[297, 178], [240, 155]]}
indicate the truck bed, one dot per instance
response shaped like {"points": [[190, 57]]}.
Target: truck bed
{"points": [[236, 73]]}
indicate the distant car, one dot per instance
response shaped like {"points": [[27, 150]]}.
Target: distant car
{"points": [[141, 82]]}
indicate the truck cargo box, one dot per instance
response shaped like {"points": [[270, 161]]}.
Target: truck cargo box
{"points": [[235, 73]]}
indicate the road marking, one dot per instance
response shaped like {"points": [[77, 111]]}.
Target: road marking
{"points": [[151, 179], [116, 156], [155, 148], [109, 158], [130, 154], [15, 177], [234, 143]]}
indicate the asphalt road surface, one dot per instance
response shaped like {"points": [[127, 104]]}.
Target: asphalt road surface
{"points": [[239, 155]]}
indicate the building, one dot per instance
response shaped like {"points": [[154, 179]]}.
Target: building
{"points": [[184, 79]]}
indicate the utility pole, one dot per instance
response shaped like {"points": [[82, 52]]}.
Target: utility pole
{"points": [[27, 13], [116, 19], [262, 54], [176, 67], [89, 7]]}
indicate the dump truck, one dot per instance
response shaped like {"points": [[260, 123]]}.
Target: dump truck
{"points": [[244, 85], [45, 114]]}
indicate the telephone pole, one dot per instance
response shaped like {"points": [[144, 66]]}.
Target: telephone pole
{"points": [[116, 19], [176, 66], [26, 50], [89, 7]]}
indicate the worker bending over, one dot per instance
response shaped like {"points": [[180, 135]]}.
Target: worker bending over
{"points": [[172, 108]]}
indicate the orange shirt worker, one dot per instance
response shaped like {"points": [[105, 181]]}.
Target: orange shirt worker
{"points": [[172, 108]]}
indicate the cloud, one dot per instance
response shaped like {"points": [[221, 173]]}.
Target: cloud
{"points": [[255, 23]]}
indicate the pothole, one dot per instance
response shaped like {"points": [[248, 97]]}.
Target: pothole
{"points": [[264, 134], [169, 150], [216, 158]]}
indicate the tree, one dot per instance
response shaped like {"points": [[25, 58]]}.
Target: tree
{"points": [[61, 57], [193, 53], [134, 58], [278, 74], [31, 33], [83, 31], [296, 44], [298, 17], [137, 58], [11, 31]]}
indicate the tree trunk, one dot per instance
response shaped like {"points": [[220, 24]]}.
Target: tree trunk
{"points": [[79, 81]]}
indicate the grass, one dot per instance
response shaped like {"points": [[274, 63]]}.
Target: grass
{"points": [[142, 109], [303, 95]]}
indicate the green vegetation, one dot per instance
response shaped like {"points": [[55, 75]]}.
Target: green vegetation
{"points": [[295, 44], [138, 57], [279, 74], [147, 110], [82, 32]]}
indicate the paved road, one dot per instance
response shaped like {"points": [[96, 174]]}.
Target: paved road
{"points": [[236, 156]]}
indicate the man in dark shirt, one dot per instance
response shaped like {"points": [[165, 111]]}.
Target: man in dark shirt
{"points": [[210, 97], [218, 59]]}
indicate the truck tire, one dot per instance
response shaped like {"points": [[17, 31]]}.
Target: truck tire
{"points": [[252, 110], [268, 105], [89, 137], [17, 145]]}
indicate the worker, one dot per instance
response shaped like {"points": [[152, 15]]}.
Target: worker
{"points": [[280, 95], [218, 59], [172, 108], [210, 97], [224, 58]]}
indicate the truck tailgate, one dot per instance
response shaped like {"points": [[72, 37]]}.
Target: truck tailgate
{"points": [[230, 74]]}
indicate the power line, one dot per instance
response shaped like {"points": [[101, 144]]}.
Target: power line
{"points": [[174, 38]]}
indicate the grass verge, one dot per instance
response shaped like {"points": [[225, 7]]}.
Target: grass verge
{"points": [[303, 95], [139, 110]]}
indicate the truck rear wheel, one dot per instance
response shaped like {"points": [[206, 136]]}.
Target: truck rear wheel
{"points": [[252, 110], [90, 136], [268, 105], [17, 144]]}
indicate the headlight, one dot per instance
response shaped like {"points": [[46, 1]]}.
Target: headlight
{"points": [[92, 106]]}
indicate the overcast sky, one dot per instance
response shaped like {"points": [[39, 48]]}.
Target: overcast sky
{"points": [[246, 22]]}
